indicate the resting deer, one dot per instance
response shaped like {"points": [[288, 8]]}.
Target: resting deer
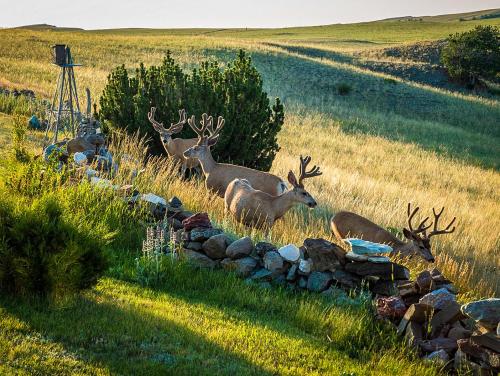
{"points": [[260, 209], [219, 175], [346, 224], [175, 148]]}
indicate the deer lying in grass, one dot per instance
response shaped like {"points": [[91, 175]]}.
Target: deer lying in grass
{"points": [[219, 175], [175, 148], [260, 209], [346, 224]]}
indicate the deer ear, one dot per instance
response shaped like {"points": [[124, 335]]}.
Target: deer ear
{"points": [[408, 234], [292, 179], [213, 141]]}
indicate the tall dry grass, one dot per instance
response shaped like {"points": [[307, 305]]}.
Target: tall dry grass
{"points": [[370, 176]]}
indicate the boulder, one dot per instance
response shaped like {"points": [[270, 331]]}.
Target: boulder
{"points": [[424, 282], [346, 279], [198, 259], [417, 313], [413, 333], [439, 357], [457, 332], [391, 307], [438, 299], [351, 256], [215, 247], [486, 312], [462, 363], [290, 253], [448, 314], [302, 283], [305, 266], [368, 248], [292, 273], [489, 340], [243, 267], [261, 248], [324, 254], [441, 343], [388, 271], [483, 354], [379, 259], [319, 281], [262, 275], [200, 234], [438, 277], [386, 288], [194, 246], [199, 220], [240, 248], [273, 261], [408, 289]]}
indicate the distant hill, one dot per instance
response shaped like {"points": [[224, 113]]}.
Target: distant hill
{"points": [[477, 15], [47, 27]]}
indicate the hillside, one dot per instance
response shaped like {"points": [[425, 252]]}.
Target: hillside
{"points": [[401, 134]]}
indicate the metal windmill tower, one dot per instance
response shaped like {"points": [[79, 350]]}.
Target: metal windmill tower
{"points": [[64, 113]]}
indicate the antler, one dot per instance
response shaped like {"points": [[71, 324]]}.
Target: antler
{"points": [[421, 227], [447, 230], [174, 128], [156, 125], [205, 120], [307, 174], [214, 133]]}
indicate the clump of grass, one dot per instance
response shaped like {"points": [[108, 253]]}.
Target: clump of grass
{"points": [[344, 88]]}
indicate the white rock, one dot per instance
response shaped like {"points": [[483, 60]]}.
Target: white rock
{"points": [[80, 159], [364, 247], [154, 199], [290, 252], [305, 266]]}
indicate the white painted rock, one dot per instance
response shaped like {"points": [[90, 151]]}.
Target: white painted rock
{"points": [[305, 266], [364, 247], [290, 252]]}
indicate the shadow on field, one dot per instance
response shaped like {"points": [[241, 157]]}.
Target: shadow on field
{"points": [[460, 127], [126, 340]]}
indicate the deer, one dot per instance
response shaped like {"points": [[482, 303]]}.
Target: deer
{"points": [[256, 208], [175, 148], [219, 175], [345, 224]]}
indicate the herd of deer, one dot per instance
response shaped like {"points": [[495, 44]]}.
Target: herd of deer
{"points": [[258, 198]]}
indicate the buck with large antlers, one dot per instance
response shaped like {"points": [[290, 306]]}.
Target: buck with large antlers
{"points": [[219, 175], [260, 209], [175, 148], [346, 224]]}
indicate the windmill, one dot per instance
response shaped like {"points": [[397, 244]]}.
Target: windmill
{"points": [[64, 113]]}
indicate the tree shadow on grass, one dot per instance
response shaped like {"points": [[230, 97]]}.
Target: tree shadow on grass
{"points": [[126, 341]]}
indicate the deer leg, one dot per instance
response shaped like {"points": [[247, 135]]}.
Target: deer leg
{"points": [[183, 170]]}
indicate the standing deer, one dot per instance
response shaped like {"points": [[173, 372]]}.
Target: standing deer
{"points": [[219, 175], [260, 209], [346, 224], [175, 148]]}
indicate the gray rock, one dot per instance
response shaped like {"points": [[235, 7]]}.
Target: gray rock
{"points": [[273, 261], [438, 299], [200, 234], [242, 267], [280, 280], [386, 288], [302, 283], [290, 253], [262, 275], [198, 259], [351, 256], [292, 273], [240, 248], [261, 248], [215, 247], [324, 254], [440, 357], [486, 312], [388, 271], [305, 266], [346, 279], [319, 281], [194, 246]]}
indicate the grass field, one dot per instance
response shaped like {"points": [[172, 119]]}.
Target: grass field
{"points": [[388, 142]]}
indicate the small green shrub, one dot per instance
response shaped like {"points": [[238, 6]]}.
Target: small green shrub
{"points": [[42, 253], [473, 55], [344, 88], [19, 139]]}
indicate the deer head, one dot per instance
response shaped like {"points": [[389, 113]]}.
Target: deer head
{"points": [[166, 134], [419, 241], [204, 141], [298, 191]]}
